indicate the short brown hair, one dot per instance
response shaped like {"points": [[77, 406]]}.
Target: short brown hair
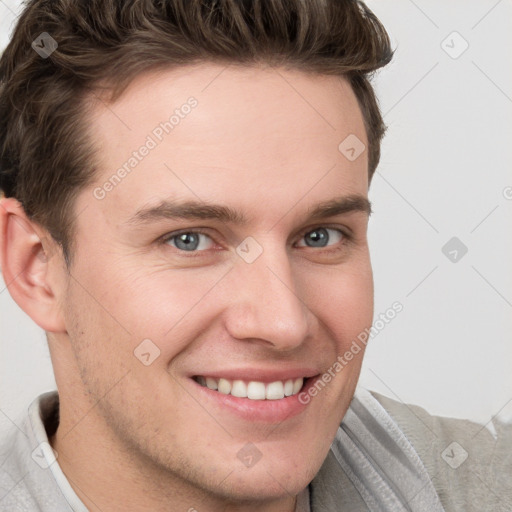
{"points": [[46, 157]]}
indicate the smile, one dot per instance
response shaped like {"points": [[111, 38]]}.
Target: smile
{"points": [[253, 390]]}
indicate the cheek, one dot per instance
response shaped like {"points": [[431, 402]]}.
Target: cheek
{"points": [[120, 305], [129, 305], [169, 303], [96, 340], [343, 301]]}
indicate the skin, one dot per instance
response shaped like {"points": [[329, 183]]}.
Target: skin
{"points": [[136, 437]]}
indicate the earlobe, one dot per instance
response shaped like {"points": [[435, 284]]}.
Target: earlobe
{"points": [[25, 258]]}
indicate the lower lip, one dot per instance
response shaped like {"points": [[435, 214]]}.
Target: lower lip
{"points": [[267, 411]]}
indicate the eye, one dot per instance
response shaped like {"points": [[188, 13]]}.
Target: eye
{"points": [[190, 241], [322, 237]]}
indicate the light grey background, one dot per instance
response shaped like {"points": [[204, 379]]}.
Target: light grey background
{"points": [[445, 172]]}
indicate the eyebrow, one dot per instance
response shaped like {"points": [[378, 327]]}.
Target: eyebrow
{"points": [[196, 210]]}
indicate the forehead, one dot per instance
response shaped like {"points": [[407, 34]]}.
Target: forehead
{"points": [[241, 135]]}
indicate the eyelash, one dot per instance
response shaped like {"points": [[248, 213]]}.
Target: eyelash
{"points": [[346, 238]]}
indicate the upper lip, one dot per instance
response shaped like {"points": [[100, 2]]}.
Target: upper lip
{"points": [[258, 374]]}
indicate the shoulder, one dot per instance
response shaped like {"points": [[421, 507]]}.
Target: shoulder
{"points": [[15, 467], [470, 467], [26, 479]]}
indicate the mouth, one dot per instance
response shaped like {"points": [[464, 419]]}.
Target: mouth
{"points": [[255, 395], [253, 390]]}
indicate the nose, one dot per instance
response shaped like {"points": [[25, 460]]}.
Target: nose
{"points": [[267, 306]]}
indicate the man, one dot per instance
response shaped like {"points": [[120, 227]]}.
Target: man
{"points": [[186, 209]]}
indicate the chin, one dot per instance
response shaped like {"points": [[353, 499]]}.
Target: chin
{"points": [[279, 473], [267, 483]]}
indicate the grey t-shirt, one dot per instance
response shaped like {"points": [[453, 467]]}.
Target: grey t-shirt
{"points": [[386, 457]]}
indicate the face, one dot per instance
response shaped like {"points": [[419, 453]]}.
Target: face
{"points": [[208, 263]]}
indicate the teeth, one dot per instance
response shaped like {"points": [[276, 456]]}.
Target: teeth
{"points": [[288, 387], [211, 383], [297, 385], [275, 391], [224, 386], [239, 389], [253, 390], [256, 390]]}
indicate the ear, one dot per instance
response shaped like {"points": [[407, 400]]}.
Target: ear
{"points": [[25, 256]]}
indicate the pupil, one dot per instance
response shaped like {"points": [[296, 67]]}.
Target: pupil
{"points": [[187, 241], [318, 238]]}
